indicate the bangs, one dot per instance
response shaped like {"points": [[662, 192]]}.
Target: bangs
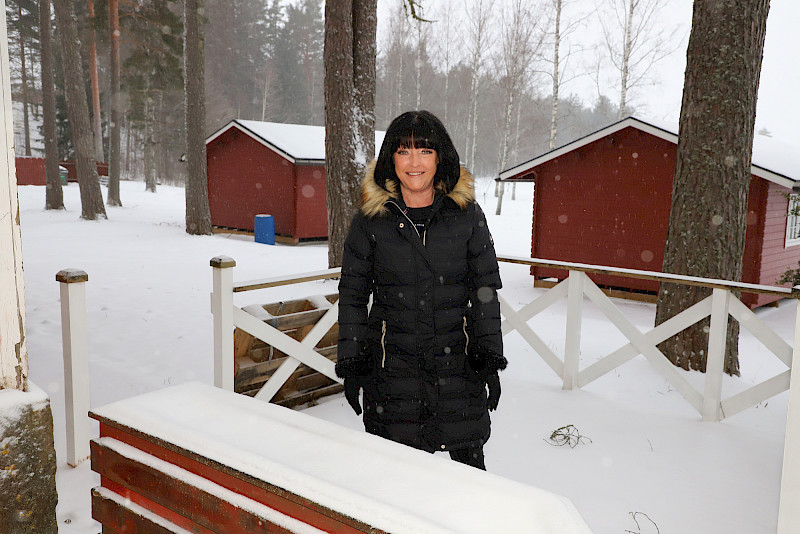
{"points": [[418, 139]]}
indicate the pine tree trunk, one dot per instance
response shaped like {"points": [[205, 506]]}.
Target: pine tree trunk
{"points": [[198, 215], [149, 153], [365, 29], [54, 196], [114, 141], [78, 111], [97, 126], [349, 58], [23, 67], [706, 234]]}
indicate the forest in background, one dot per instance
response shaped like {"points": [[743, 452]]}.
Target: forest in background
{"points": [[485, 67]]}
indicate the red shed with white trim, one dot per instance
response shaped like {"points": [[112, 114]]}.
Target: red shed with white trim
{"points": [[269, 168], [605, 199]]}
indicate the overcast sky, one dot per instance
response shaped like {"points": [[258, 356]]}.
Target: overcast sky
{"points": [[779, 92]]}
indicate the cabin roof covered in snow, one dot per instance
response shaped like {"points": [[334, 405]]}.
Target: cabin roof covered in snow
{"points": [[298, 143], [772, 160]]}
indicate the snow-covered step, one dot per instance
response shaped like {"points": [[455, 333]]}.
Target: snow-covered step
{"points": [[193, 449]]}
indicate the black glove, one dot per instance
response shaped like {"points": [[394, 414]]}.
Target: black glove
{"points": [[493, 383], [485, 362], [352, 389]]}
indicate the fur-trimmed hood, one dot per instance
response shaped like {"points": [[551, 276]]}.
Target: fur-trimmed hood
{"points": [[374, 197]]}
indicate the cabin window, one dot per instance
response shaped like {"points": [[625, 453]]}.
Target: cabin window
{"points": [[793, 221]]}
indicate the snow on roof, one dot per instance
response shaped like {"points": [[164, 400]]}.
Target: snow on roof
{"points": [[772, 160], [295, 142], [387, 485]]}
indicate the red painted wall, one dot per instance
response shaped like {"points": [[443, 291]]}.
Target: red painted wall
{"points": [[310, 202], [776, 258], [72, 170], [608, 203], [246, 179], [30, 171]]}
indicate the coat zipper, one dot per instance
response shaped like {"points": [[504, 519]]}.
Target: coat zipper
{"points": [[466, 345], [383, 344], [424, 232]]}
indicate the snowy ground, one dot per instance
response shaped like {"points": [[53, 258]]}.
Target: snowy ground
{"points": [[646, 456]]}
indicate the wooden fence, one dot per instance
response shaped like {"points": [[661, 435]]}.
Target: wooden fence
{"points": [[576, 289], [720, 305]]}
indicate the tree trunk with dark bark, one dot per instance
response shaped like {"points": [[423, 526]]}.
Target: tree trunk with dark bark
{"points": [[198, 215], [97, 125], [349, 58], [54, 196], [78, 112], [115, 126], [24, 73], [706, 234]]}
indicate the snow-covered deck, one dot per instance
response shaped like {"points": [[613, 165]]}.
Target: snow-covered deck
{"points": [[293, 470]]}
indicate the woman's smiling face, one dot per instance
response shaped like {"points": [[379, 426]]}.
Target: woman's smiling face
{"points": [[415, 168]]}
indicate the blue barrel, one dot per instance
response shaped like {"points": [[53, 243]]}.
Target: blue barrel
{"points": [[265, 229]]}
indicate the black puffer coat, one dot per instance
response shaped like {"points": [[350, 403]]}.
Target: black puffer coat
{"points": [[434, 301]]}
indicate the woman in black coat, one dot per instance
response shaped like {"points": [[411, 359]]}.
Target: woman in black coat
{"points": [[430, 344]]}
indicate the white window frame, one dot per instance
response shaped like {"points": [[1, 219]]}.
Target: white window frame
{"points": [[793, 221]]}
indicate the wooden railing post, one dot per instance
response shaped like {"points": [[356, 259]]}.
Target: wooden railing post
{"points": [[222, 309], [789, 509], [715, 359], [572, 343], [74, 340]]}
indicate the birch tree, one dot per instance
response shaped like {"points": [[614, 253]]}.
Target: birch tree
{"points": [[422, 39], [518, 46], [447, 46], [78, 111], [395, 63], [561, 30], [349, 58], [634, 43], [707, 222], [479, 37]]}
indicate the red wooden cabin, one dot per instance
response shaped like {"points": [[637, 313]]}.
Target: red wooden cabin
{"points": [[605, 199], [273, 169]]}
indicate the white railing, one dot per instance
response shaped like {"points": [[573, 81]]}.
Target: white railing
{"points": [[709, 403], [227, 316], [721, 304], [75, 346]]}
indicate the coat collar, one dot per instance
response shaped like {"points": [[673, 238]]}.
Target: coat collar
{"points": [[375, 197]]}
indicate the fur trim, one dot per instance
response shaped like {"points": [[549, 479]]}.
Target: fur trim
{"points": [[374, 197]]}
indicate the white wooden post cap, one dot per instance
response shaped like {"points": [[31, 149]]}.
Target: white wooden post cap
{"points": [[71, 276], [221, 262]]}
